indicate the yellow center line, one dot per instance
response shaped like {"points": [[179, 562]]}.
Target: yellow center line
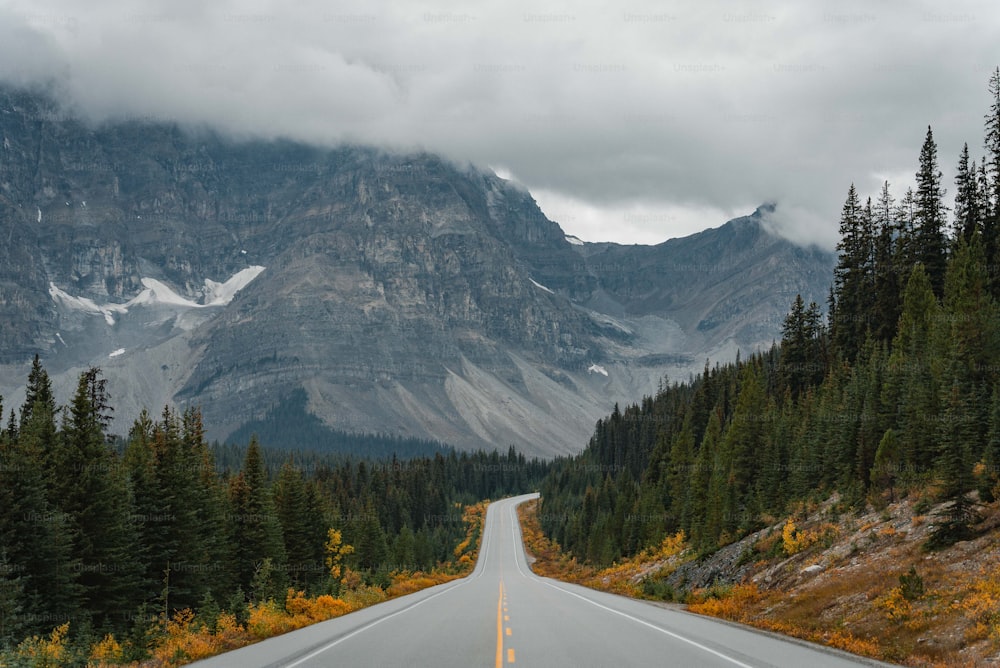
{"points": [[510, 655], [508, 631], [500, 627]]}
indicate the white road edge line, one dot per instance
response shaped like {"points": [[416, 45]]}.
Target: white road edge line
{"points": [[704, 648], [378, 621], [515, 526], [730, 659]]}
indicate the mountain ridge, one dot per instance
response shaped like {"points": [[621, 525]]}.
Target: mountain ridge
{"points": [[404, 293]]}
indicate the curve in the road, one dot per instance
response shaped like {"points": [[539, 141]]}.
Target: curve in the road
{"points": [[502, 614]]}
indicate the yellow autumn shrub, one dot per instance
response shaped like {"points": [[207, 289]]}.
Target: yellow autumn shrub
{"points": [[40, 652], [106, 652], [894, 605], [733, 604]]}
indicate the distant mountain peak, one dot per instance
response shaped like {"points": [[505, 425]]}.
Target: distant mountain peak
{"points": [[404, 293]]}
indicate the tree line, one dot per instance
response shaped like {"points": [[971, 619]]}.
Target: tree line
{"points": [[115, 534], [896, 390]]}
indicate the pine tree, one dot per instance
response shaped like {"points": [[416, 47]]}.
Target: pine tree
{"points": [[871, 428], [31, 526], [931, 247], [967, 214], [178, 507], [853, 279], [771, 485], [292, 505], [989, 184], [911, 386], [370, 544], [969, 330], [679, 464], [92, 489], [955, 468], [992, 142], [905, 217], [887, 282], [801, 349], [207, 499], [705, 514], [256, 530]]}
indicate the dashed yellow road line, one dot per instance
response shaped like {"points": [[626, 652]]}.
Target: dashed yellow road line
{"points": [[500, 628], [508, 631], [510, 655]]}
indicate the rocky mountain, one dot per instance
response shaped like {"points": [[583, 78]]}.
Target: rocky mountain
{"points": [[397, 293]]}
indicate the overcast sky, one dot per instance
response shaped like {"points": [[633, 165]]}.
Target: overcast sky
{"points": [[629, 122]]}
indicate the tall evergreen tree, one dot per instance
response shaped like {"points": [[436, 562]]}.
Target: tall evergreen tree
{"points": [[907, 250], [989, 184], [292, 504], [254, 523], [887, 281], [92, 489], [992, 141], [967, 214], [911, 386], [969, 331], [853, 277], [802, 362], [33, 530], [705, 512], [955, 468], [930, 241]]}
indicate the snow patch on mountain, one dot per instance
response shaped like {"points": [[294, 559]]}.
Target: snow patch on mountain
{"points": [[576, 241], [85, 304], [597, 368], [220, 294], [539, 285], [157, 292]]}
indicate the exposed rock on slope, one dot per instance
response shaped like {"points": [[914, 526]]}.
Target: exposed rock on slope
{"points": [[404, 293]]}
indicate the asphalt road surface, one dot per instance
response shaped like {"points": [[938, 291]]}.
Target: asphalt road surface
{"points": [[504, 615]]}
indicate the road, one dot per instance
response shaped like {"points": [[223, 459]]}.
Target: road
{"points": [[504, 615]]}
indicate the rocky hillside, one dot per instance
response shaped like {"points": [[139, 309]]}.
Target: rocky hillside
{"points": [[858, 581], [405, 294]]}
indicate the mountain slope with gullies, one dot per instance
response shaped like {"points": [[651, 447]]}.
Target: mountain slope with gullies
{"points": [[403, 293]]}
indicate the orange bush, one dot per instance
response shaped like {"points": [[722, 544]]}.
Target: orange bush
{"points": [[267, 619], [894, 605], [304, 611], [186, 640], [106, 652], [982, 604], [39, 651], [734, 604]]}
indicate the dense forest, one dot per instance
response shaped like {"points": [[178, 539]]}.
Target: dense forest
{"points": [[116, 534], [289, 424], [895, 391]]}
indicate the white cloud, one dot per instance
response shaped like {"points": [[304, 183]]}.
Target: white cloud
{"points": [[676, 112]]}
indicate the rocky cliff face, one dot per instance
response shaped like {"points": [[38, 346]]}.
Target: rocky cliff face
{"points": [[404, 293]]}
